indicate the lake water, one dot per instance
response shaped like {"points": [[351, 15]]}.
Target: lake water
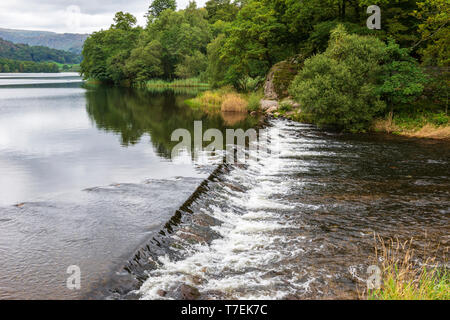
{"points": [[85, 177]]}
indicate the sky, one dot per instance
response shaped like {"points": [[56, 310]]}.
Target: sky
{"points": [[71, 16]]}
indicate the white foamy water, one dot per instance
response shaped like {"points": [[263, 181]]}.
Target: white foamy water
{"points": [[250, 244], [298, 222]]}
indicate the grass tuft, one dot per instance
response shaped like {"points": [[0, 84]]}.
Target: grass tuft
{"points": [[233, 102], [404, 277]]}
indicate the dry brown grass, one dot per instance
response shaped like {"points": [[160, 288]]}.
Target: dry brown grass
{"points": [[427, 131], [233, 102], [384, 125], [430, 131]]}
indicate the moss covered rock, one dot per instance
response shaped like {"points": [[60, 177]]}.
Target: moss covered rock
{"points": [[280, 77]]}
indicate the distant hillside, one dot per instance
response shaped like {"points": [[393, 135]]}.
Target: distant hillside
{"points": [[24, 52], [72, 42]]}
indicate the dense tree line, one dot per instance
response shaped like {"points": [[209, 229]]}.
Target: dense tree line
{"points": [[236, 43], [14, 66], [25, 52], [227, 41]]}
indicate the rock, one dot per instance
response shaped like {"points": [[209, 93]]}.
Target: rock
{"points": [[272, 109], [280, 77], [161, 293], [189, 292], [196, 280], [269, 89], [253, 113], [266, 104]]}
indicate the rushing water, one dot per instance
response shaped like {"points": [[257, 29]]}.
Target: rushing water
{"points": [[299, 223], [87, 179]]}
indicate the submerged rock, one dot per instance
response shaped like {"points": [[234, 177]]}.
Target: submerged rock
{"points": [[272, 109], [161, 293], [189, 292]]}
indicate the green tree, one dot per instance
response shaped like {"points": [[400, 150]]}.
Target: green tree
{"points": [[192, 66], [105, 52], [338, 87], [158, 6], [434, 28], [124, 21], [402, 81], [145, 62], [254, 42], [222, 10]]}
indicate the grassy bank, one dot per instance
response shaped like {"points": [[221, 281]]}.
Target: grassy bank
{"points": [[178, 83], [428, 124], [404, 277], [226, 99]]}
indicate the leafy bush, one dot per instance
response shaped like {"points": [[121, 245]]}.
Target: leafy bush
{"points": [[354, 80], [254, 101], [338, 86]]}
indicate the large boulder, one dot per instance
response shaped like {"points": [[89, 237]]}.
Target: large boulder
{"points": [[267, 104], [280, 77]]}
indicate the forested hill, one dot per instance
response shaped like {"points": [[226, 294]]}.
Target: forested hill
{"points": [[24, 52], [71, 42]]}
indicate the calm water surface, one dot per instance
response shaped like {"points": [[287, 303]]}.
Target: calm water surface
{"points": [[85, 177]]}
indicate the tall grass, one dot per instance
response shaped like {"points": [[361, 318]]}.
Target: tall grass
{"points": [[254, 99], [404, 277], [224, 99], [192, 82], [233, 102]]}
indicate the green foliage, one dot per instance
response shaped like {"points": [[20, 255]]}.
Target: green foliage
{"points": [[434, 27], [158, 6], [144, 62], [222, 10], [191, 66], [252, 44], [106, 52], [338, 87], [402, 81], [231, 42], [15, 66], [217, 63], [25, 52], [254, 101], [249, 84]]}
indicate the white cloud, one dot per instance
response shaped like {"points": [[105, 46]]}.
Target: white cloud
{"points": [[52, 15]]}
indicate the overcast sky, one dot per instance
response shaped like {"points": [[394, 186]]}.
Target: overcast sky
{"points": [[74, 16]]}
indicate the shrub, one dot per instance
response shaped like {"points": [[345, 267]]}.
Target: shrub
{"points": [[254, 101], [338, 86], [233, 102]]}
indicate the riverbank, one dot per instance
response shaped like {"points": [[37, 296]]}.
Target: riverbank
{"points": [[430, 125], [419, 125]]}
